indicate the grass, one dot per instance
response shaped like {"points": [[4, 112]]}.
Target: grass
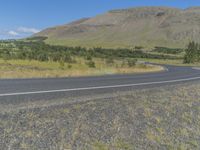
{"points": [[37, 69], [159, 118], [116, 39], [89, 43], [177, 62]]}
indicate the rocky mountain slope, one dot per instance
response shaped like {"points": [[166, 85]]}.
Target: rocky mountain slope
{"points": [[143, 26]]}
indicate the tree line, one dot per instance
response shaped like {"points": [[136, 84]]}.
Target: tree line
{"points": [[38, 50], [167, 50]]}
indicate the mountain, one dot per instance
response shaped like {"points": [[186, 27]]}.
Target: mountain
{"points": [[142, 26]]}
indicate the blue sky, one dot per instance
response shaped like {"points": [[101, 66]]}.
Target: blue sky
{"points": [[20, 18]]}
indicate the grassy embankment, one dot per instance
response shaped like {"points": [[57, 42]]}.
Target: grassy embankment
{"points": [[37, 69]]}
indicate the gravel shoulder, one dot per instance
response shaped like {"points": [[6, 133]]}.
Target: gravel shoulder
{"points": [[167, 117]]}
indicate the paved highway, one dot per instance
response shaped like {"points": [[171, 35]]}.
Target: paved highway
{"points": [[53, 88]]}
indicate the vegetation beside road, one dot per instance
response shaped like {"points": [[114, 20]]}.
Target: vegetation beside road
{"points": [[34, 58], [160, 118], [36, 49], [38, 69]]}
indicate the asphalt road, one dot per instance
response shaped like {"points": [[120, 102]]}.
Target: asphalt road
{"points": [[54, 88]]}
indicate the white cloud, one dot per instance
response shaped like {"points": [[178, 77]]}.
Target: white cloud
{"points": [[20, 32], [28, 30], [13, 33]]}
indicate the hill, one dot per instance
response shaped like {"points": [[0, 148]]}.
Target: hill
{"points": [[143, 26]]}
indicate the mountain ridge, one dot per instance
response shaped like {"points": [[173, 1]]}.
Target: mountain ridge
{"points": [[138, 26]]}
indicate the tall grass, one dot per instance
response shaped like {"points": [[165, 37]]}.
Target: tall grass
{"points": [[37, 69]]}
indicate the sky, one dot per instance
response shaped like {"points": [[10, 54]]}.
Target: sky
{"points": [[22, 18]]}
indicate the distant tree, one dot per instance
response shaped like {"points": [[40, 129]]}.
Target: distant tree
{"points": [[191, 53], [36, 49], [198, 53]]}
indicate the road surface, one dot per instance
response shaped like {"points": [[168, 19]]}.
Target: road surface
{"points": [[54, 88]]}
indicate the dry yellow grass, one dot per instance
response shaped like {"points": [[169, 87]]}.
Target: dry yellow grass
{"points": [[36, 69]]}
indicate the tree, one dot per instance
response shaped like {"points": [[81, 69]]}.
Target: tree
{"points": [[191, 53]]}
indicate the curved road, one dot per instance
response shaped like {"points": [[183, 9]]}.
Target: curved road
{"points": [[53, 88]]}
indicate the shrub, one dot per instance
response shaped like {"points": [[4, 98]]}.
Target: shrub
{"points": [[67, 58], [6, 55], [132, 62], [62, 64], [91, 64], [166, 50], [42, 57], [138, 47], [69, 66], [110, 61], [142, 65], [88, 57]]}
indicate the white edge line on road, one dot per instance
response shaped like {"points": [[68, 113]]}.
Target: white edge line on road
{"points": [[196, 68], [98, 87]]}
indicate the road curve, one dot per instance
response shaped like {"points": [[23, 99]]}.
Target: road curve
{"points": [[53, 88]]}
